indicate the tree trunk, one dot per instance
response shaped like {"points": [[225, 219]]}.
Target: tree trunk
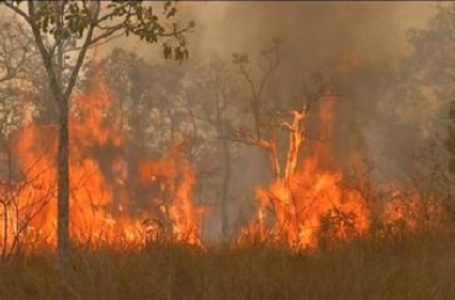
{"points": [[63, 184], [62, 166], [225, 190], [295, 142], [5, 229], [7, 203]]}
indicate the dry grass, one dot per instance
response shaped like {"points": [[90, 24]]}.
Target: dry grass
{"points": [[414, 268]]}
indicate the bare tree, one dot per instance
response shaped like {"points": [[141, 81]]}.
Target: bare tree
{"points": [[211, 100], [268, 120], [263, 135]]}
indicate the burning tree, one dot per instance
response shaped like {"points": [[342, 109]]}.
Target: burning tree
{"points": [[306, 188]]}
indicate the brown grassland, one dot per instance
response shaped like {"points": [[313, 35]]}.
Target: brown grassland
{"points": [[411, 267]]}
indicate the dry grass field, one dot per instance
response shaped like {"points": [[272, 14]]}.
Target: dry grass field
{"points": [[415, 267]]}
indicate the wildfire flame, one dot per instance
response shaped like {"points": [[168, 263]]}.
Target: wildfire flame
{"points": [[309, 205], [100, 206], [305, 206]]}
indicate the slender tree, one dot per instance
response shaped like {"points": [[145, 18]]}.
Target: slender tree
{"points": [[86, 24], [211, 100]]}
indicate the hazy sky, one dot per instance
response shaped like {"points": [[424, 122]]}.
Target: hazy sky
{"points": [[314, 32]]}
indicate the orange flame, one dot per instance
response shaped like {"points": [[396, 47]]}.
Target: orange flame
{"points": [[310, 206], [306, 206], [99, 200], [176, 181]]}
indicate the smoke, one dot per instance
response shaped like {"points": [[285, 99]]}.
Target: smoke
{"points": [[355, 43], [314, 33]]}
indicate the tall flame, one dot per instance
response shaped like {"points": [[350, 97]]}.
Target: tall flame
{"points": [[305, 206], [310, 205], [99, 200]]}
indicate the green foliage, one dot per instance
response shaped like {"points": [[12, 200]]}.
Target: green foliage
{"points": [[72, 19]]}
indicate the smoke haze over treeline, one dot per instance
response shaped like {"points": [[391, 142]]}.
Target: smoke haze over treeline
{"points": [[316, 34]]}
